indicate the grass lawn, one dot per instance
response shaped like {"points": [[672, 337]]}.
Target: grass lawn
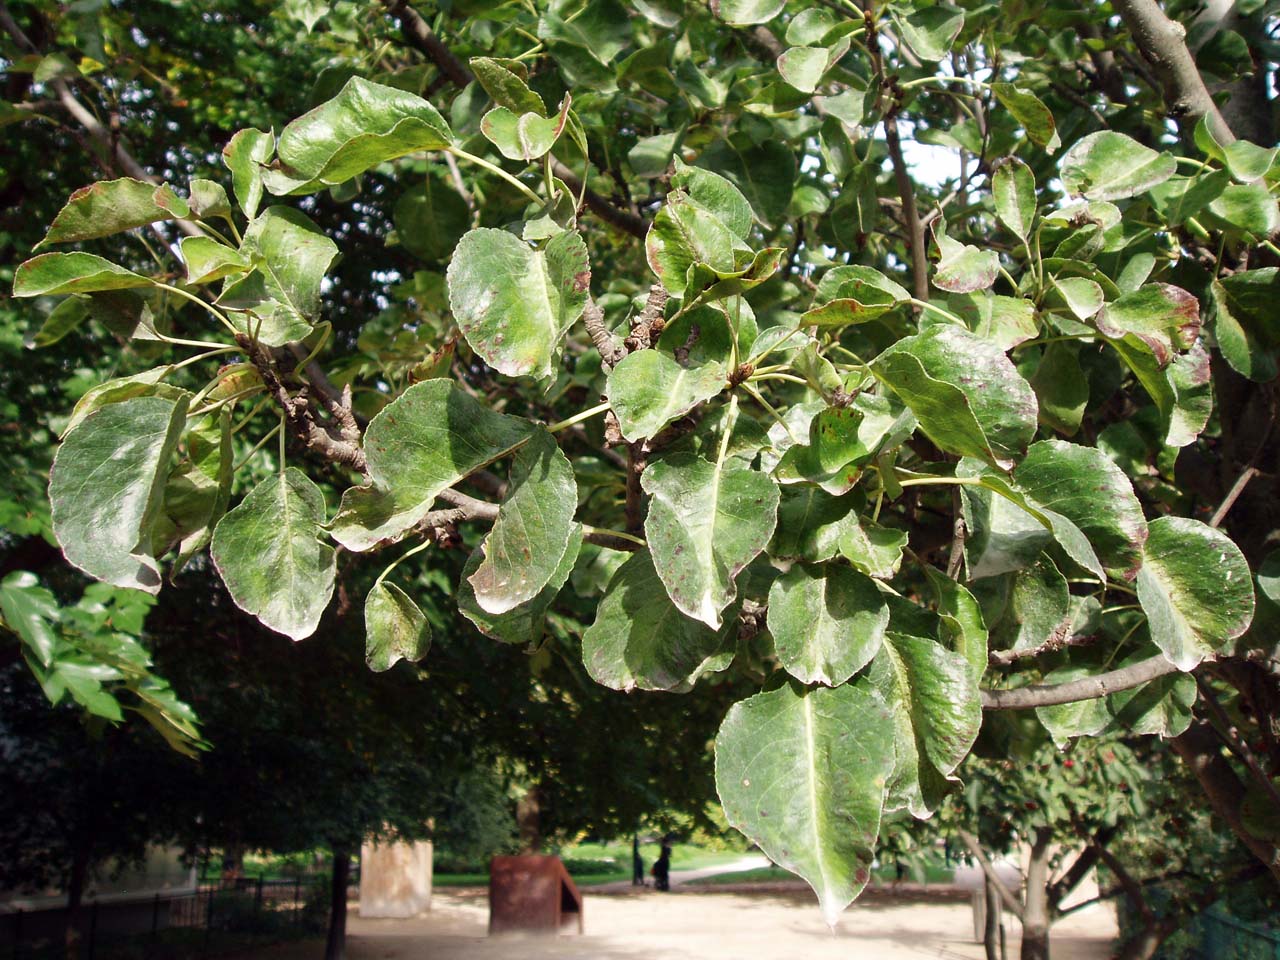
{"points": [[683, 857]]}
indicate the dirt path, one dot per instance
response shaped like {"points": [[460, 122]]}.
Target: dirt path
{"points": [[772, 924]]}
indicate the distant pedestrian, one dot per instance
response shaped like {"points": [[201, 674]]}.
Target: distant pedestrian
{"points": [[662, 869]]}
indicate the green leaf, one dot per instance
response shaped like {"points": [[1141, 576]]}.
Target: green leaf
{"points": [[650, 388], [1158, 318], [526, 136], [812, 523], [1014, 188], [873, 549], [30, 611], [394, 628], [1083, 485], [535, 521], [802, 773], [839, 442], [1082, 296], [269, 553], [1195, 588], [245, 155], [507, 88], [853, 294], [963, 268], [804, 67], [513, 303], [147, 383], [706, 522], [717, 194], [1179, 198], [961, 625], [422, 443], [764, 172], [364, 125], [930, 31], [291, 256], [104, 208], [207, 260], [57, 273], [1035, 118], [810, 25], [742, 13], [1160, 708], [640, 640], [431, 220], [209, 199], [1004, 321], [525, 623], [1247, 161], [1244, 321], [682, 234], [1246, 212], [965, 392], [62, 319], [827, 622], [932, 695], [106, 488], [1038, 610], [1083, 718], [1061, 387], [1111, 166]]}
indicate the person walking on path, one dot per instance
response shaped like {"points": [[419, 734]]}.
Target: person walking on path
{"points": [[662, 868]]}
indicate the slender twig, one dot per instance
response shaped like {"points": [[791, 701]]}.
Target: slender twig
{"points": [[1011, 902]]}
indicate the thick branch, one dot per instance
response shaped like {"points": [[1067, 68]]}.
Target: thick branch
{"points": [[616, 217], [611, 351], [1089, 688], [1163, 44], [1010, 902], [1005, 658], [1061, 888]]}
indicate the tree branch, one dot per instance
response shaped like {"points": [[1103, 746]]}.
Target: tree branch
{"points": [[611, 351], [1005, 658], [1061, 888], [1010, 902], [1163, 45], [1088, 688]]}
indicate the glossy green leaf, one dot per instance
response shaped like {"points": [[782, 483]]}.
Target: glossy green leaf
{"points": [[147, 383], [1245, 212], [513, 303], [965, 392], [282, 294], [1159, 318], [764, 172], [804, 67], [198, 490], [270, 552], [506, 87], [1083, 485], [59, 273], [930, 31], [932, 695], [422, 443], [209, 199], [364, 125], [61, 320], [640, 640], [1038, 609], [525, 623], [1029, 110], [1014, 188], [742, 13], [841, 439], [802, 773], [107, 486], [873, 549], [1195, 588], [1160, 708], [207, 260], [717, 194], [963, 268], [526, 136], [1080, 295], [1003, 321], [853, 294], [523, 549], [1083, 718], [707, 520], [812, 523], [1111, 166], [30, 611], [961, 626], [1179, 198], [827, 622], [682, 234], [650, 388], [104, 208], [394, 628], [1245, 324], [245, 155], [1182, 390]]}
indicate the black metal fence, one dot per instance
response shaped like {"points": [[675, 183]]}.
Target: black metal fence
{"points": [[213, 919]]}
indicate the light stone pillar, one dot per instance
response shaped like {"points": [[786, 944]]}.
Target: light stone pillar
{"points": [[395, 879]]}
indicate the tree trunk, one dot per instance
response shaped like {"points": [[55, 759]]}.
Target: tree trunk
{"points": [[528, 821], [991, 930], [1035, 908], [81, 859], [335, 947], [232, 862]]}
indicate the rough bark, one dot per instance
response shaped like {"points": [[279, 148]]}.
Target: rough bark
{"points": [[1035, 908], [1089, 688]]}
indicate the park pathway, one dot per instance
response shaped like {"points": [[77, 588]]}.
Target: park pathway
{"points": [[680, 877]]}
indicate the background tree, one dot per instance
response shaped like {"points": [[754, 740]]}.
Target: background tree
{"points": [[868, 434]]}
